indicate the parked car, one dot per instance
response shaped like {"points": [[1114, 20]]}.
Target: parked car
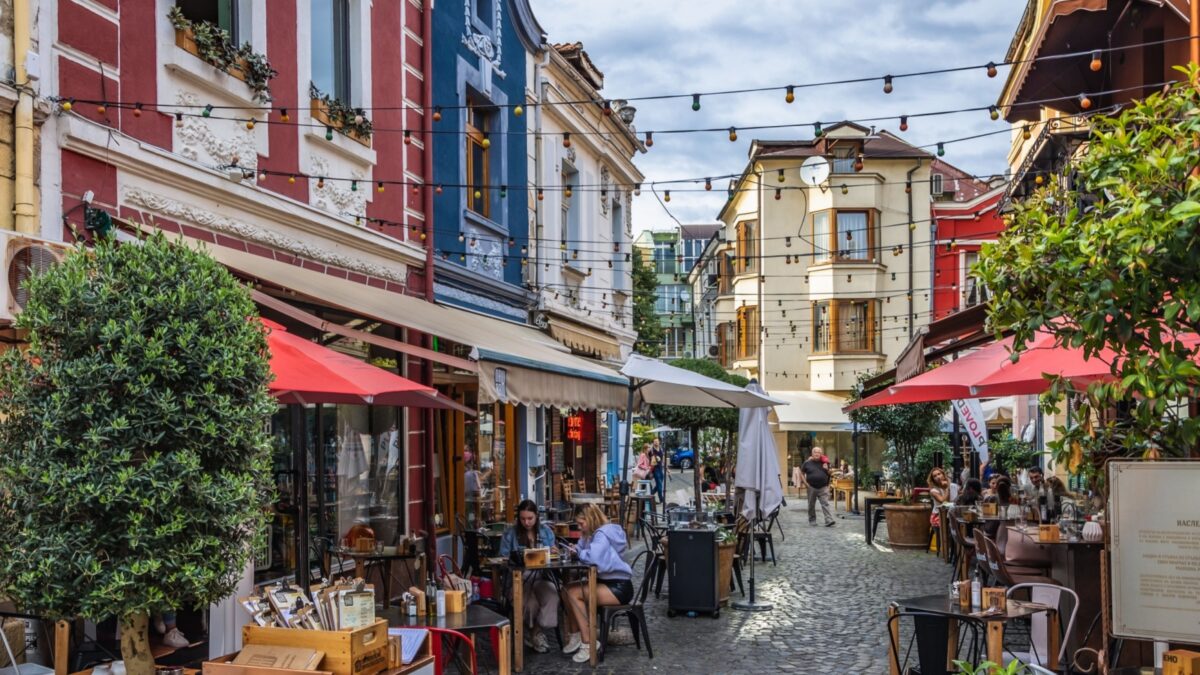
{"points": [[682, 458]]}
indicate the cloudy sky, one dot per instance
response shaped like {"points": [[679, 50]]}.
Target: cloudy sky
{"points": [[651, 47]]}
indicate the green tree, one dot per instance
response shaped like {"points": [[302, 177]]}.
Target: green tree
{"points": [[1008, 454], [1107, 262], [134, 473], [694, 419], [904, 428], [933, 451], [645, 320]]}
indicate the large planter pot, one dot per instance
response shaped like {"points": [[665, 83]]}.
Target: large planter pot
{"points": [[724, 570], [908, 525]]}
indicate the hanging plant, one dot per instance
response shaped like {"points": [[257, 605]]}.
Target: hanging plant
{"points": [[339, 116], [213, 45]]}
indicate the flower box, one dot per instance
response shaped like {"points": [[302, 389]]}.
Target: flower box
{"points": [[185, 39], [320, 113]]}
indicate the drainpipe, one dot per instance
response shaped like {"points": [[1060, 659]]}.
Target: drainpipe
{"points": [[760, 172], [25, 206], [912, 319], [427, 365], [1194, 31]]}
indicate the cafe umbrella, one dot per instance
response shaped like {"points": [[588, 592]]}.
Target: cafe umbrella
{"points": [[758, 475]]}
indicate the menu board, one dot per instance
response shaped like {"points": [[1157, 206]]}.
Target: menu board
{"points": [[1154, 516]]}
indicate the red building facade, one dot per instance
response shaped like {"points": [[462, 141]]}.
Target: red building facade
{"points": [[157, 136], [962, 228]]}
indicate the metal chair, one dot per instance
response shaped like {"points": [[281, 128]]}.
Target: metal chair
{"points": [[1049, 594], [930, 634], [762, 536], [634, 611]]}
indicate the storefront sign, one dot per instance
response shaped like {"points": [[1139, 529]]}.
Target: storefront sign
{"points": [[581, 428], [1154, 516], [971, 415]]}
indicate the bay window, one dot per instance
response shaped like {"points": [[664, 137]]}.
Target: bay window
{"points": [[844, 235], [747, 332], [746, 254]]}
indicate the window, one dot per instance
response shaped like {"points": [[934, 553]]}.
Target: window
{"points": [[747, 332], [483, 11], [479, 118], [746, 257], [726, 343], [664, 257], [619, 273], [843, 159], [845, 326], [844, 235], [673, 299], [937, 184], [974, 292], [330, 48], [676, 342], [569, 225], [692, 249], [222, 13]]}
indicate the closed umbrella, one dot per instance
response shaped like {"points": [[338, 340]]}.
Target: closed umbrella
{"points": [[758, 474]]}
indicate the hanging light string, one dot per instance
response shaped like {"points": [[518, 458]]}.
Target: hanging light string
{"points": [[990, 68], [817, 125], [636, 187]]}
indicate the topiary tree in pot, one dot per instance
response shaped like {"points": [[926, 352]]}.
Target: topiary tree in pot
{"points": [[904, 428], [134, 474]]}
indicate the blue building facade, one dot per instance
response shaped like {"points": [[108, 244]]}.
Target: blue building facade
{"points": [[480, 216]]}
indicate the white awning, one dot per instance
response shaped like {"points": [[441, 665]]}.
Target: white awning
{"points": [[517, 363], [664, 384], [810, 411]]}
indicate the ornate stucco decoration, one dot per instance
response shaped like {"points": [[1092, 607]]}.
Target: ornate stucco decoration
{"points": [[336, 196], [485, 255], [605, 179], [487, 47], [200, 143], [187, 213]]}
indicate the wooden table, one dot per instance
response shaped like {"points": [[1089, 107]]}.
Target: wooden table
{"points": [[940, 603], [361, 558], [475, 619], [518, 604]]}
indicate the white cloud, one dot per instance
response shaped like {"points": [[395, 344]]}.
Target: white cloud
{"points": [[648, 48]]}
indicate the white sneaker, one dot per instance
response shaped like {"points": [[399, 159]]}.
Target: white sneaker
{"points": [[541, 645], [174, 638], [574, 641], [159, 626], [584, 654]]}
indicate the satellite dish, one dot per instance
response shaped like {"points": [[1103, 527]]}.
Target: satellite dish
{"points": [[814, 171]]}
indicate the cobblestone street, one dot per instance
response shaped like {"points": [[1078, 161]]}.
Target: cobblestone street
{"points": [[830, 593]]}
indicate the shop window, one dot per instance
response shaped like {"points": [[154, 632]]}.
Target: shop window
{"points": [[478, 160], [746, 254], [845, 326], [330, 48], [747, 332], [844, 234]]}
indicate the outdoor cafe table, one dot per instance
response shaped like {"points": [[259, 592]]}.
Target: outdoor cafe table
{"points": [[475, 619], [362, 558], [518, 603], [940, 603]]}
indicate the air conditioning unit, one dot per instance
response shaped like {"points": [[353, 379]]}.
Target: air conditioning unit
{"points": [[24, 256], [714, 351]]}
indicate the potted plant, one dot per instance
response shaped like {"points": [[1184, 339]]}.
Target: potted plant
{"points": [[904, 428], [726, 542], [339, 117], [135, 471], [213, 45]]}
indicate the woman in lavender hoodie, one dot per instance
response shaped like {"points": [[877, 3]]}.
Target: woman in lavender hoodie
{"points": [[601, 544]]}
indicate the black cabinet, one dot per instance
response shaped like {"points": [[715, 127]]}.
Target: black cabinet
{"points": [[692, 572]]}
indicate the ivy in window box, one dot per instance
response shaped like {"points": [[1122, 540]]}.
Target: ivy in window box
{"points": [[213, 45], [335, 114]]}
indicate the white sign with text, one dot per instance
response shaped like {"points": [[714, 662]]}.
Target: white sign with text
{"points": [[1154, 521]]}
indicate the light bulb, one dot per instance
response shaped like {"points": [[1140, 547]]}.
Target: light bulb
{"points": [[137, 109], [320, 183], [354, 186], [817, 129], [707, 183], [858, 162], [477, 194], [732, 134], [518, 111], [461, 237], [1096, 64], [941, 149], [845, 190], [207, 112], [908, 187], [904, 123], [291, 180], [790, 96], [329, 133], [666, 195], [178, 120], [1025, 133], [541, 195], [568, 192], [66, 106], [649, 139], [778, 194], [1038, 179], [437, 114], [566, 139], [993, 112], [782, 178], [262, 177], [407, 137], [283, 115], [437, 190], [608, 110], [379, 187], [1084, 101], [887, 84], [991, 69], [696, 102], [486, 143], [250, 123], [503, 191], [358, 116]]}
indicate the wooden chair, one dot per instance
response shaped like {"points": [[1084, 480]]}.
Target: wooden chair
{"points": [[634, 611], [843, 488]]}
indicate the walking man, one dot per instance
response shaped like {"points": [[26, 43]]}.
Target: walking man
{"points": [[815, 474]]}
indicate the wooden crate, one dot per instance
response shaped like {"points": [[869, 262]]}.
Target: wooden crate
{"points": [[223, 665], [362, 651]]}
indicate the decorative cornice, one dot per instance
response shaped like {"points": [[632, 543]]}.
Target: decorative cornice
{"points": [[179, 211], [466, 297]]}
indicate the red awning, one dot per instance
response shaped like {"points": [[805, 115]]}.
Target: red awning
{"points": [[306, 372], [991, 373]]}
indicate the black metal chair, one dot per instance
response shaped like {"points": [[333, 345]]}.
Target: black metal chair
{"points": [[930, 633], [634, 611], [654, 530], [762, 535]]}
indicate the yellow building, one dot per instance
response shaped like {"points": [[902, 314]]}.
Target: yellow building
{"points": [[824, 273]]}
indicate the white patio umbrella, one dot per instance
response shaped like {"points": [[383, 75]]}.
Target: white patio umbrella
{"points": [[758, 474], [652, 381]]}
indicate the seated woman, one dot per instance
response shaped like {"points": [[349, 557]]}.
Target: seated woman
{"points": [[939, 492], [972, 493], [541, 595], [601, 544], [1003, 497]]}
